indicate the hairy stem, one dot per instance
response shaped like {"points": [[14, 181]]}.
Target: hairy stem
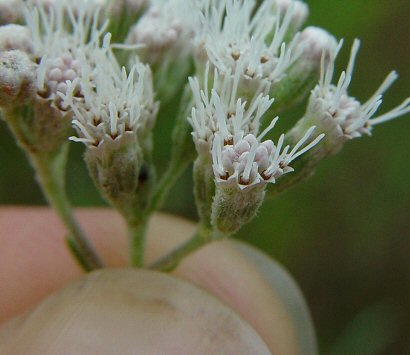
{"points": [[50, 171], [171, 175], [183, 152], [137, 241], [170, 261]]}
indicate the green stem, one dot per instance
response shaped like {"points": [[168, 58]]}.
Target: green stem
{"points": [[171, 175], [183, 152], [137, 241], [42, 133], [49, 167], [170, 261]]}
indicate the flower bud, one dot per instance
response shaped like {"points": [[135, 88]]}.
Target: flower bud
{"points": [[316, 42], [300, 12], [17, 78], [303, 75], [10, 11], [15, 37], [164, 38], [161, 31]]}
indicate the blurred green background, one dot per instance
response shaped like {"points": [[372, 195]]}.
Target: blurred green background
{"points": [[344, 234]]}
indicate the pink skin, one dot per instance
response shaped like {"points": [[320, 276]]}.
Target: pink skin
{"points": [[34, 264]]}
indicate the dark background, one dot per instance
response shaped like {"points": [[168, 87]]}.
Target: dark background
{"points": [[344, 234]]}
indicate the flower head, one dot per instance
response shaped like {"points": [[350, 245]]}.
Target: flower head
{"points": [[249, 161], [220, 109], [228, 128], [61, 33], [345, 115], [238, 33], [114, 103], [163, 32]]}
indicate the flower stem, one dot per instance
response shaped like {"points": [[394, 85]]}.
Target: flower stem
{"points": [[170, 261], [173, 172], [50, 170], [183, 152], [43, 137], [137, 241]]}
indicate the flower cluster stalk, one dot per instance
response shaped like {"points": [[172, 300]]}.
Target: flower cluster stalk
{"points": [[169, 262], [231, 65], [50, 168]]}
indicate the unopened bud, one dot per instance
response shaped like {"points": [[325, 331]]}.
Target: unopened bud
{"points": [[10, 11], [315, 42], [17, 78], [15, 37], [157, 32], [164, 37], [299, 15], [303, 75]]}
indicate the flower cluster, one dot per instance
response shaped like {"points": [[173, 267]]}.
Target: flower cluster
{"points": [[350, 118], [221, 67], [222, 110], [248, 161], [61, 32], [229, 127], [113, 103], [237, 33]]}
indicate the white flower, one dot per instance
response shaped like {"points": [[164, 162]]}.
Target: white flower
{"points": [[227, 127], [236, 32], [349, 117], [248, 161], [114, 103], [165, 31], [60, 33], [218, 109]]}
